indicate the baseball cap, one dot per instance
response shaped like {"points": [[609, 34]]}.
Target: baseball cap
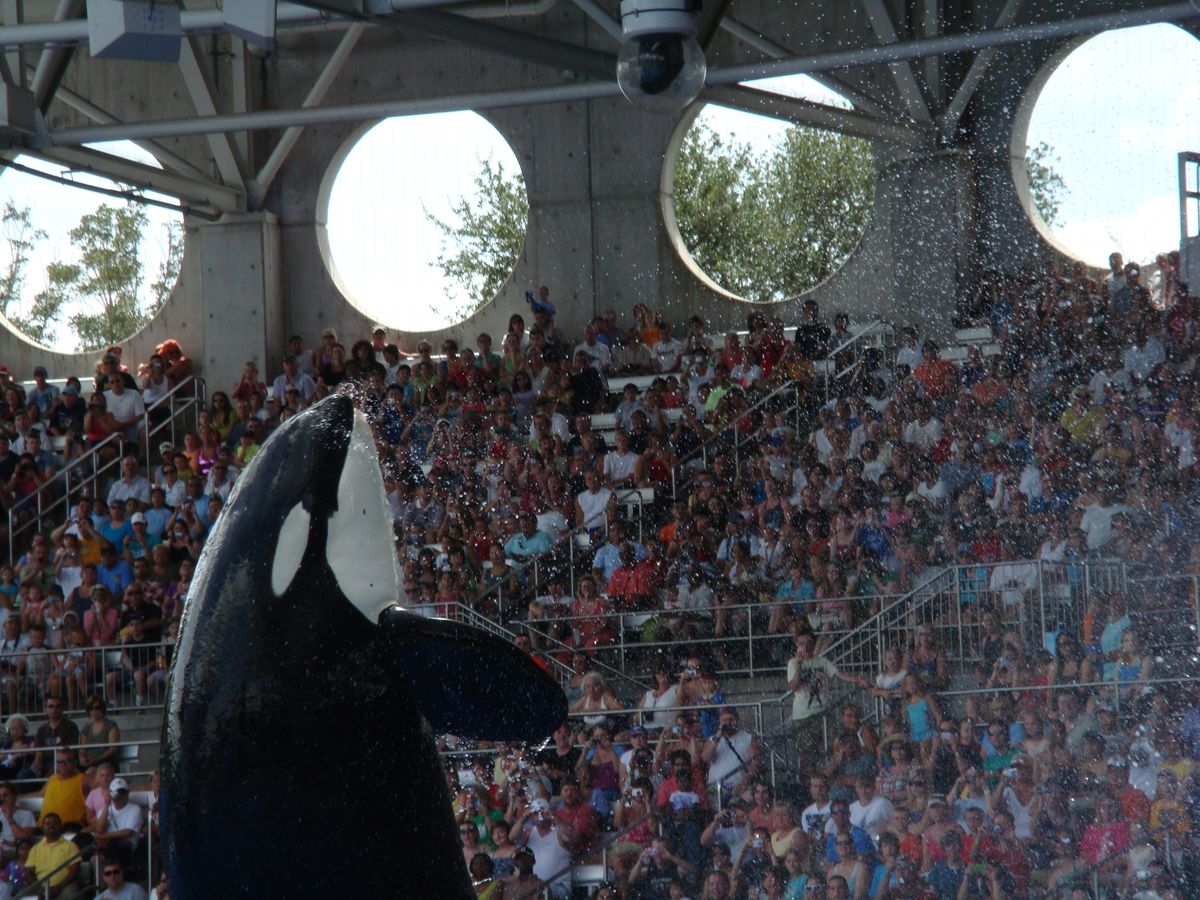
{"points": [[379, 329], [137, 519], [72, 390], [117, 784], [539, 805], [637, 729], [4, 370], [165, 446]]}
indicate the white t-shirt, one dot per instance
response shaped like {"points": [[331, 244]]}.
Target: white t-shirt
{"points": [[874, 816], [667, 699], [619, 466], [812, 697], [125, 407], [127, 891], [130, 817], [814, 817], [594, 506], [726, 768], [666, 354]]}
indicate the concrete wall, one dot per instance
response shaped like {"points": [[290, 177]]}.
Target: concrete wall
{"points": [[594, 171]]}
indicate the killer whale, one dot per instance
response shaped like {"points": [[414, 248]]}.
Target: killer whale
{"points": [[298, 758]]}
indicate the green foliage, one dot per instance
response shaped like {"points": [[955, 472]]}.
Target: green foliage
{"points": [[101, 291], [21, 236], [772, 225], [1046, 187], [168, 269], [104, 285], [479, 251]]}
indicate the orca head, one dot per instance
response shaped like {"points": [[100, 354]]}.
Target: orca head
{"points": [[341, 520]]}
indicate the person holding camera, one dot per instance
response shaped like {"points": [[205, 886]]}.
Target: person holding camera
{"points": [[730, 827], [731, 754], [755, 859], [550, 842], [657, 867], [635, 812], [599, 766]]}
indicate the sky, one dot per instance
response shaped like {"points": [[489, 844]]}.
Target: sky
{"points": [[1116, 112], [56, 209]]}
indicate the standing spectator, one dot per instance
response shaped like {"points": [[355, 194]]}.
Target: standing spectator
{"points": [[812, 335], [124, 410], [731, 755], [292, 378], [45, 395], [808, 678]]}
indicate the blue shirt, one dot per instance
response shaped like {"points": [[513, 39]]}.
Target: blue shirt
{"points": [[522, 548], [863, 846], [156, 521], [116, 578], [945, 881]]}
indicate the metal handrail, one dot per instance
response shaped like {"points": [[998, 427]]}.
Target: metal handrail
{"points": [[90, 457], [41, 887]]}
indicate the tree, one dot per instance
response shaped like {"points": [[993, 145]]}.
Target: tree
{"points": [[488, 237], [772, 225], [1046, 187], [168, 269], [21, 237], [104, 285]]}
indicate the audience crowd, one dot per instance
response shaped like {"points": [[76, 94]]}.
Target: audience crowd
{"points": [[658, 485]]}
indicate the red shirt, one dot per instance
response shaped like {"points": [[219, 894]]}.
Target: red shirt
{"points": [[669, 788], [939, 377], [584, 821], [1009, 857]]}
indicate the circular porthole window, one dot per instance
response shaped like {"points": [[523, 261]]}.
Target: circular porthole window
{"points": [[1095, 155], [80, 269], [426, 218], [764, 210]]}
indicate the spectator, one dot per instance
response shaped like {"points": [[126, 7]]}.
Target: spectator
{"points": [[293, 379], [120, 827], [55, 854], [124, 409], [44, 394], [731, 755]]}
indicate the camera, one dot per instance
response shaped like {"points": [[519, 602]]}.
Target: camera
{"points": [[661, 67], [729, 730]]}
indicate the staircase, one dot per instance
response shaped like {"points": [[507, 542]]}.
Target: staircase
{"points": [[49, 505]]}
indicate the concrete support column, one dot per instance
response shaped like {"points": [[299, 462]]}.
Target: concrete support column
{"points": [[242, 297], [932, 236]]}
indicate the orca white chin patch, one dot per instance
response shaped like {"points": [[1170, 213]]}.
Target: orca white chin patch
{"points": [[361, 547]]}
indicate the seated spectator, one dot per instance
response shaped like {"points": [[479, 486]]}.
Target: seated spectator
{"points": [[55, 854]]}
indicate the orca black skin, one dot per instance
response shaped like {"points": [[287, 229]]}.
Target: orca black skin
{"points": [[297, 761]]}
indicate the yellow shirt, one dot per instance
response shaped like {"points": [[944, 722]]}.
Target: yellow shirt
{"points": [[45, 857], [65, 797]]}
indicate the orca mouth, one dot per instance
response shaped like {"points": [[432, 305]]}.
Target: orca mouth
{"points": [[359, 540]]}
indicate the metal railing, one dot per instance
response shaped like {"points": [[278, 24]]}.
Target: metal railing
{"points": [[749, 652], [1035, 597], [52, 500], [877, 335], [78, 672]]}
